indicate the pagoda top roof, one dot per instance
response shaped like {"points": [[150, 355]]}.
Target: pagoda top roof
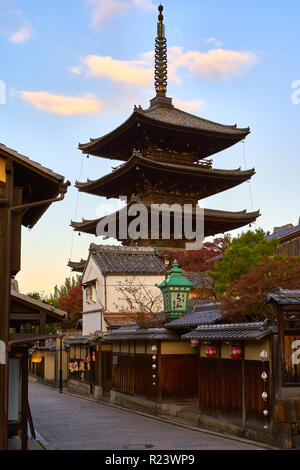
{"points": [[164, 123], [174, 116], [168, 120]]}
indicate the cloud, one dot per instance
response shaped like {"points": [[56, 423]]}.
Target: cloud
{"points": [[135, 72], [105, 10], [216, 63], [13, 24], [214, 41], [189, 106], [22, 34], [62, 105]]}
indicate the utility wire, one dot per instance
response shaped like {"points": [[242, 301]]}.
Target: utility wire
{"points": [[249, 182], [76, 205]]}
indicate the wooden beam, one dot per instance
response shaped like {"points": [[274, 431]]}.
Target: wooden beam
{"points": [[25, 316]]}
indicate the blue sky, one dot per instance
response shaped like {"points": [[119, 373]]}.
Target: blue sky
{"points": [[74, 69]]}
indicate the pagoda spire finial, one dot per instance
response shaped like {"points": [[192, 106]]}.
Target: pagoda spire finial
{"points": [[160, 56]]}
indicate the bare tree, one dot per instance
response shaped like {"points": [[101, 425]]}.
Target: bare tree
{"points": [[136, 298]]}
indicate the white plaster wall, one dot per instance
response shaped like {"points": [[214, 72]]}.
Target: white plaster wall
{"points": [[92, 273], [91, 322], [112, 295], [107, 296]]}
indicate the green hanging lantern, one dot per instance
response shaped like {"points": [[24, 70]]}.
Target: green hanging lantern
{"points": [[175, 289]]}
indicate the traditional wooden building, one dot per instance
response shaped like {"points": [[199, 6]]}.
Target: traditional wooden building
{"points": [[166, 160], [106, 270], [288, 237], [27, 189], [239, 378], [210, 375]]}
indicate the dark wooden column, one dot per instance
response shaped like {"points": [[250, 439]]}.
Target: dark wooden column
{"points": [[244, 415], [24, 398], [6, 201], [42, 326], [159, 373]]}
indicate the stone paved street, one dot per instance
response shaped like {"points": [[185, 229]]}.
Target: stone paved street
{"points": [[66, 422]]}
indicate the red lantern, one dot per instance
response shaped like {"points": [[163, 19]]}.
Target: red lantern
{"points": [[236, 352], [211, 351]]}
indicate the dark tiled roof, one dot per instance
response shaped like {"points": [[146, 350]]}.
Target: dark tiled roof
{"points": [[37, 305], [174, 118], [200, 279], [238, 331], [284, 297], [215, 221], [77, 266], [133, 332], [23, 160], [208, 314], [177, 117], [286, 231], [80, 339], [120, 259], [38, 183], [197, 305], [203, 179]]}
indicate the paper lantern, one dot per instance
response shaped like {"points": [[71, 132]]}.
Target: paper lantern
{"points": [[236, 352], [263, 355], [211, 351], [264, 376], [36, 357]]}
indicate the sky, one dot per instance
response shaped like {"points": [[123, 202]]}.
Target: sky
{"points": [[74, 69]]}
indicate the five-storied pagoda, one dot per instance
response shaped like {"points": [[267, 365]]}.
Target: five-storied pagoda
{"points": [[166, 160]]}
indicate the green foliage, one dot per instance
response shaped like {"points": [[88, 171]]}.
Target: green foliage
{"points": [[57, 299], [38, 296], [58, 293], [245, 299], [243, 252]]}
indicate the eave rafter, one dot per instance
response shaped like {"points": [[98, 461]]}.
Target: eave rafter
{"points": [[141, 171]]}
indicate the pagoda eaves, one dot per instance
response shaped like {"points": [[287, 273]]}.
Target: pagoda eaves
{"points": [[215, 222], [166, 127], [147, 177]]}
